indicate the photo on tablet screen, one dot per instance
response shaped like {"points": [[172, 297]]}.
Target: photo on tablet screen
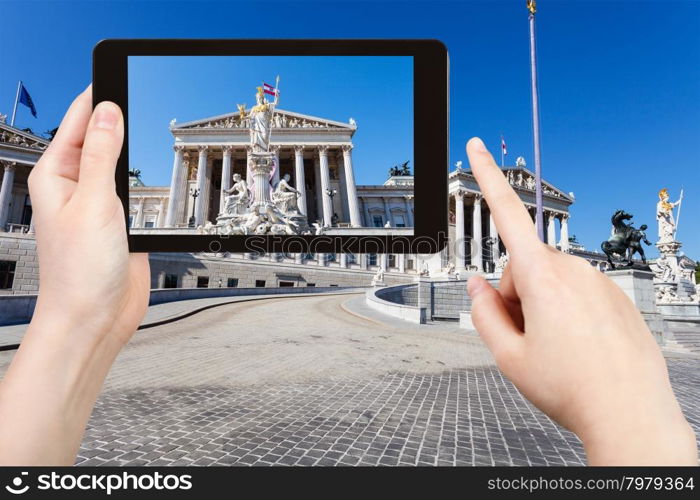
{"points": [[271, 145]]}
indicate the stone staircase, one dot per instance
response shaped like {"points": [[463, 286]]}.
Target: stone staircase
{"points": [[683, 335]]}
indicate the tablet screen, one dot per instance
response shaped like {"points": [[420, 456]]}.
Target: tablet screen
{"points": [[271, 145]]}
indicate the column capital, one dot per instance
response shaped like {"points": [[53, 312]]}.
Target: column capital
{"points": [[179, 148], [478, 197], [274, 149], [203, 148], [459, 194], [322, 149], [248, 148], [298, 149], [346, 148], [227, 149], [563, 216], [9, 165]]}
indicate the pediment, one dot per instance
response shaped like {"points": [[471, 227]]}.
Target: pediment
{"points": [[12, 136], [521, 177], [282, 120]]}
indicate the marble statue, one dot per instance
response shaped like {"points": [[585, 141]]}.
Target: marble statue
{"points": [[664, 216], [501, 263], [666, 295], [520, 162], [664, 269], [285, 196], [378, 278], [237, 197], [450, 268], [260, 121]]}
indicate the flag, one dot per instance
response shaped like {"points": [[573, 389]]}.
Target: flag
{"points": [[26, 99], [504, 150], [269, 89]]}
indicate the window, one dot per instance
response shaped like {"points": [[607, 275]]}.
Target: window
{"points": [[260, 283], [352, 258], [170, 281], [286, 283], [372, 259], [308, 256], [409, 263], [150, 222], [202, 281], [232, 282], [392, 260], [131, 220], [311, 285], [27, 211], [399, 221], [330, 257], [333, 285], [7, 273], [377, 221]]}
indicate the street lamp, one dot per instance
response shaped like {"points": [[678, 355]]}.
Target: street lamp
{"points": [[194, 193], [331, 193]]}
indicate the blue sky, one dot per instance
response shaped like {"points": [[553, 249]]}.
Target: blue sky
{"points": [[619, 81], [376, 91]]}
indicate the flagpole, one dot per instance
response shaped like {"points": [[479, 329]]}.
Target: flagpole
{"points": [[539, 216], [14, 110], [503, 160]]}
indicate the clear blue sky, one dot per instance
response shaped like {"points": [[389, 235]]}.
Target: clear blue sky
{"points": [[619, 81], [376, 91]]}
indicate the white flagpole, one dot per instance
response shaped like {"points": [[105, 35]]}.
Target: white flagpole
{"points": [[503, 160], [14, 110], [678, 217]]}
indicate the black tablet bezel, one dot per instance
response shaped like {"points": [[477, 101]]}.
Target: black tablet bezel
{"points": [[430, 142]]}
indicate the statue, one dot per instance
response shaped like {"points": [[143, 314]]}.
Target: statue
{"points": [[260, 117], [450, 268], [378, 278], [520, 162], [501, 263], [664, 269], [624, 238], [664, 215], [285, 196], [636, 237], [237, 197]]}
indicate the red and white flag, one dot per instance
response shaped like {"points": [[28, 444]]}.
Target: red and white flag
{"points": [[269, 89], [504, 150]]}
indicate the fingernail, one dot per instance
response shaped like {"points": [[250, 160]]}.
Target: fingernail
{"points": [[475, 285], [106, 116], [479, 145]]}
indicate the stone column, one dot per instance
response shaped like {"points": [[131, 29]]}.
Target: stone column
{"points": [[299, 178], [325, 185], [387, 212], [350, 187], [321, 259], [299, 258], [248, 173], [200, 208], [225, 176], [276, 175], [368, 215], [176, 181], [477, 250], [364, 261], [409, 210], [8, 180], [564, 241], [161, 213], [343, 260], [459, 230], [493, 234], [383, 261], [551, 230], [402, 262]]}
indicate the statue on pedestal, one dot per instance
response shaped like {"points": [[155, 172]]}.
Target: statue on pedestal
{"points": [[285, 196], [625, 239], [664, 215]]}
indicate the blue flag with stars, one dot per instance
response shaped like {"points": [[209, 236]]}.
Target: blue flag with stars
{"points": [[26, 99]]}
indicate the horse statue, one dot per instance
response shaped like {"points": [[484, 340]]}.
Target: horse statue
{"points": [[621, 240]]}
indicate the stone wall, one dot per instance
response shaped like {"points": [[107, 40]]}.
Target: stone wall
{"points": [[20, 248], [444, 300]]}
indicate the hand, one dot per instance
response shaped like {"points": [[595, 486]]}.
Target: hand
{"points": [[573, 343], [92, 293]]}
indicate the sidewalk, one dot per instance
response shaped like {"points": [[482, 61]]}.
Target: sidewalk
{"points": [[11, 336]]}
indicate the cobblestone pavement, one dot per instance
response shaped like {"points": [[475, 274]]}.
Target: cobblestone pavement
{"points": [[301, 381]]}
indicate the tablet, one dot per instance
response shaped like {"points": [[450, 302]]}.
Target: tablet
{"points": [[280, 145]]}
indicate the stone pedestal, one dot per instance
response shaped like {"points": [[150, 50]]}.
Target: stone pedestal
{"points": [[639, 287]]}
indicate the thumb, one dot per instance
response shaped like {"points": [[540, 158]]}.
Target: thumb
{"points": [[101, 149], [495, 326]]}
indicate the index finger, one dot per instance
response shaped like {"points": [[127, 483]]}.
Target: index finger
{"points": [[515, 227]]}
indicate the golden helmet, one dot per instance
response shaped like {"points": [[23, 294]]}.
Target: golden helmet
{"points": [[663, 193]]}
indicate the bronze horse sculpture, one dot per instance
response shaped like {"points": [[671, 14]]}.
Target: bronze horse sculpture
{"points": [[625, 240]]}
